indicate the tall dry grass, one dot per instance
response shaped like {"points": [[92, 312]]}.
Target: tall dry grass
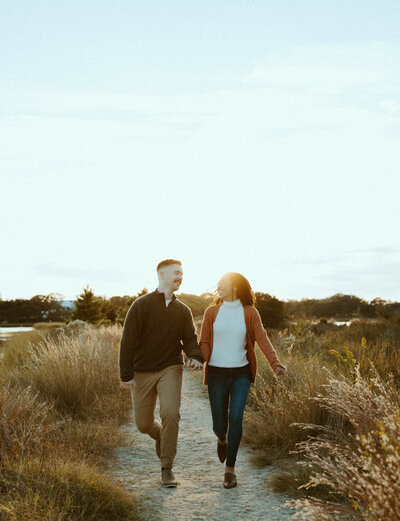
{"points": [[337, 412], [361, 465], [25, 424], [77, 373], [276, 403], [60, 407]]}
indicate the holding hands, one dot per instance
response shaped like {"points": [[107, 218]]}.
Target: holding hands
{"points": [[191, 363], [194, 364]]}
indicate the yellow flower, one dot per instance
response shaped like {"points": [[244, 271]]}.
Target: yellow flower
{"points": [[354, 503]]}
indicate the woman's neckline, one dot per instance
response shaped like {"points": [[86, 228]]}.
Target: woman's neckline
{"points": [[234, 304]]}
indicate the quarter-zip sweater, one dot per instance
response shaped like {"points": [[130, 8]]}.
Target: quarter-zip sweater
{"points": [[155, 334], [255, 332]]}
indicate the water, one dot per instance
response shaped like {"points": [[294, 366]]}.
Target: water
{"points": [[6, 332]]}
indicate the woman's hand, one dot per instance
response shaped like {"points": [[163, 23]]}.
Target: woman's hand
{"points": [[280, 371]]}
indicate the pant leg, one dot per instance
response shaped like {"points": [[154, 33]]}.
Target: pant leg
{"points": [[144, 398], [218, 394], [239, 394], [169, 389]]}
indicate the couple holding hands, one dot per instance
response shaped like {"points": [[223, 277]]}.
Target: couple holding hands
{"points": [[156, 330]]}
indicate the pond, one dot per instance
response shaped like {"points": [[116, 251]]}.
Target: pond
{"points": [[6, 332]]}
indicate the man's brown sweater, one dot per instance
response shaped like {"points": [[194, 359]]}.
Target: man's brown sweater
{"points": [[155, 334]]}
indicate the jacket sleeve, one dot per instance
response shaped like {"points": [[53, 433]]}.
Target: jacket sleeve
{"points": [[205, 335], [129, 341], [264, 343], [189, 339]]}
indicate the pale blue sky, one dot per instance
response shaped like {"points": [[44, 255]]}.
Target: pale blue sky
{"points": [[253, 136]]}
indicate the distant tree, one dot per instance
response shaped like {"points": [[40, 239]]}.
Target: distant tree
{"points": [[197, 304], [108, 311], [339, 305], [40, 308], [124, 306], [88, 307], [271, 309], [300, 308]]}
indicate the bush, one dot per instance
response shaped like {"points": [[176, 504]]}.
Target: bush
{"points": [[76, 373]]}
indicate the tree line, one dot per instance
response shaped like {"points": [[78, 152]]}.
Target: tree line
{"points": [[274, 312]]}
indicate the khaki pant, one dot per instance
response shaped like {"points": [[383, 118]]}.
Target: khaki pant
{"points": [[167, 385]]}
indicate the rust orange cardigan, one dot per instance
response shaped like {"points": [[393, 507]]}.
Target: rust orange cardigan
{"points": [[255, 333]]}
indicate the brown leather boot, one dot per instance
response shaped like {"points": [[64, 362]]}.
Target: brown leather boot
{"points": [[168, 479], [230, 480]]}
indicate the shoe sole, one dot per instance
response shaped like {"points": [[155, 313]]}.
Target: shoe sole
{"points": [[169, 485]]}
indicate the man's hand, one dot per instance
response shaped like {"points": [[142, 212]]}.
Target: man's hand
{"points": [[194, 364], [128, 385]]}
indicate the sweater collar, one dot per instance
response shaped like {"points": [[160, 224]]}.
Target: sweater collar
{"points": [[232, 305], [161, 295]]}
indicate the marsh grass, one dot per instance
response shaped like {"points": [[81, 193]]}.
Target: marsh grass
{"points": [[76, 373], [275, 404], [335, 419], [65, 491], [363, 467], [60, 408]]}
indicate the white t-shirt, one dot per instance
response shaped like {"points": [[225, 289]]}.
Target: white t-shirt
{"points": [[229, 342]]}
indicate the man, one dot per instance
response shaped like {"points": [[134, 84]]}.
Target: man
{"points": [[157, 327]]}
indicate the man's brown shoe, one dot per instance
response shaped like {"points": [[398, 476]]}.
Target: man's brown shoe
{"points": [[221, 451], [168, 479], [230, 480]]}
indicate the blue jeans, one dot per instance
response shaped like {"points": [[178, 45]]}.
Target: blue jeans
{"points": [[228, 390]]}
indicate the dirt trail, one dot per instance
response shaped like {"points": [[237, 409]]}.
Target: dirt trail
{"points": [[200, 495]]}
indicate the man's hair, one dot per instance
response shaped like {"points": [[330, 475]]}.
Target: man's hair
{"points": [[167, 262]]}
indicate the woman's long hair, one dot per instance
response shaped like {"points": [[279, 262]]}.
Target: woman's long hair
{"points": [[243, 290]]}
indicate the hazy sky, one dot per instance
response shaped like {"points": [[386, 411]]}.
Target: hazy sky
{"points": [[254, 136]]}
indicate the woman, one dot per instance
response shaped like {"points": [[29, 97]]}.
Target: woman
{"points": [[230, 328]]}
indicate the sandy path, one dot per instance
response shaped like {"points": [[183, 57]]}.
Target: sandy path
{"points": [[200, 495]]}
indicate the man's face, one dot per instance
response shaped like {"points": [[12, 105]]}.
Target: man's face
{"points": [[172, 276]]}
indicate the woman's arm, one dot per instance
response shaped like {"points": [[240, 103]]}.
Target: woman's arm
{"points": [[264, 343], [205, 335]]}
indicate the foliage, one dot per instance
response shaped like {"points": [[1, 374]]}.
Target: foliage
{"points": [[87, 307], [271, 309], [39, 308], [197, 304], [342, 306]]}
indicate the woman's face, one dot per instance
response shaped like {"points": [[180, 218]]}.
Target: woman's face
{"points": [[225, 289]]}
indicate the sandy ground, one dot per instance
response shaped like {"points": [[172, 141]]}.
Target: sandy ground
{"points": [[200, 494]]}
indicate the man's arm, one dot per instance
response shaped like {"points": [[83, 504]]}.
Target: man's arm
{"points": [[129, 341], [189, 339]]}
